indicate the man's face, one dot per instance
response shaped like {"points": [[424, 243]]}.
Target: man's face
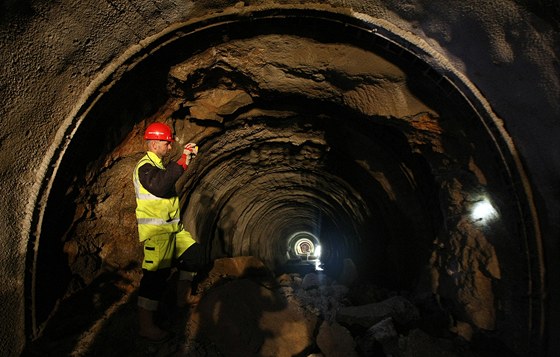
{"points": [[161, 148]]}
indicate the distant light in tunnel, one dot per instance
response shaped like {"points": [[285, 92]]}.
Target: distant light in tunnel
{"points": [[483, 212], [306, 247]]}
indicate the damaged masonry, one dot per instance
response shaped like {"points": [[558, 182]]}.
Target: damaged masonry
{"points": [[259, 135], [366, 181]]}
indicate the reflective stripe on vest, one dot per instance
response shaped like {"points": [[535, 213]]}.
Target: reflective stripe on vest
{"points": [[156, 221], [155, 215]]}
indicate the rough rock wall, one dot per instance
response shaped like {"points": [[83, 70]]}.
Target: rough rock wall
{"points": [[53, 54]]}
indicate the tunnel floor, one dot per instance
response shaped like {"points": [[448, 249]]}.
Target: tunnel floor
{"points": [[101, 319]]}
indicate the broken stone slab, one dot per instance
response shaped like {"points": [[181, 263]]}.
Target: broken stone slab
{"points": [[245, 318], [382, 335], [383, 330], [215, 104], [335, 340], [399, 308]]}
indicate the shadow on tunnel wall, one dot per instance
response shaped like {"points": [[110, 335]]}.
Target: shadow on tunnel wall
{"points": [[98, 320]]}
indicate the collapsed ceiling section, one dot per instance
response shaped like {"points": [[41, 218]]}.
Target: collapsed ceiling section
{"points": [[349, 139]]}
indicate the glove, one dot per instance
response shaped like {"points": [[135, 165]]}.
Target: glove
{"points": [[189, 152], [191, 149]]}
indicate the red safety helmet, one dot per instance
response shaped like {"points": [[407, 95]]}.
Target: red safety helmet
{"points": [[158, 131]]}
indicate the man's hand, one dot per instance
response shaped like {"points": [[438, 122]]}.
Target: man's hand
{"points": [[190, 149], [189, 152]]}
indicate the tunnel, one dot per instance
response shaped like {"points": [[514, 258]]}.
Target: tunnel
{"points": [[323, 138]]}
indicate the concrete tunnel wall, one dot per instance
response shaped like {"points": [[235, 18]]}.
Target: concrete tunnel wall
{"points": [[57, 57]]}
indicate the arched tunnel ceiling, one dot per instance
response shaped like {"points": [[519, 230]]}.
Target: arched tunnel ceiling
{"points": [[323, 127]]}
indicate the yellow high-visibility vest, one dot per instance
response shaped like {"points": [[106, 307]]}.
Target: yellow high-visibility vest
{"points": [[155, 215]]}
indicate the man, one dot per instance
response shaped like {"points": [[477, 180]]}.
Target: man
{"points": [[166, 243]]}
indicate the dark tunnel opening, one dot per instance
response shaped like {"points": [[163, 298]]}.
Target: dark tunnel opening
{"points": [[358, 219], [388, 188]]}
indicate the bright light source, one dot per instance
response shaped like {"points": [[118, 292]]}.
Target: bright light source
{"points": [[304, 247], [318, 261], [483, 211], [318, 251]]}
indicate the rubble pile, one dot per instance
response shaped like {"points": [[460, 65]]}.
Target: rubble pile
{"points": [[246, 310], [312, 315]]}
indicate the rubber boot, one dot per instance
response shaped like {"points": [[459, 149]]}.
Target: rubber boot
{"points": [[148, 330], [185, 294]]}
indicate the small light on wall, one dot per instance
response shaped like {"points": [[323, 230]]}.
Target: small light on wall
{"points": [[483, 211]]}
